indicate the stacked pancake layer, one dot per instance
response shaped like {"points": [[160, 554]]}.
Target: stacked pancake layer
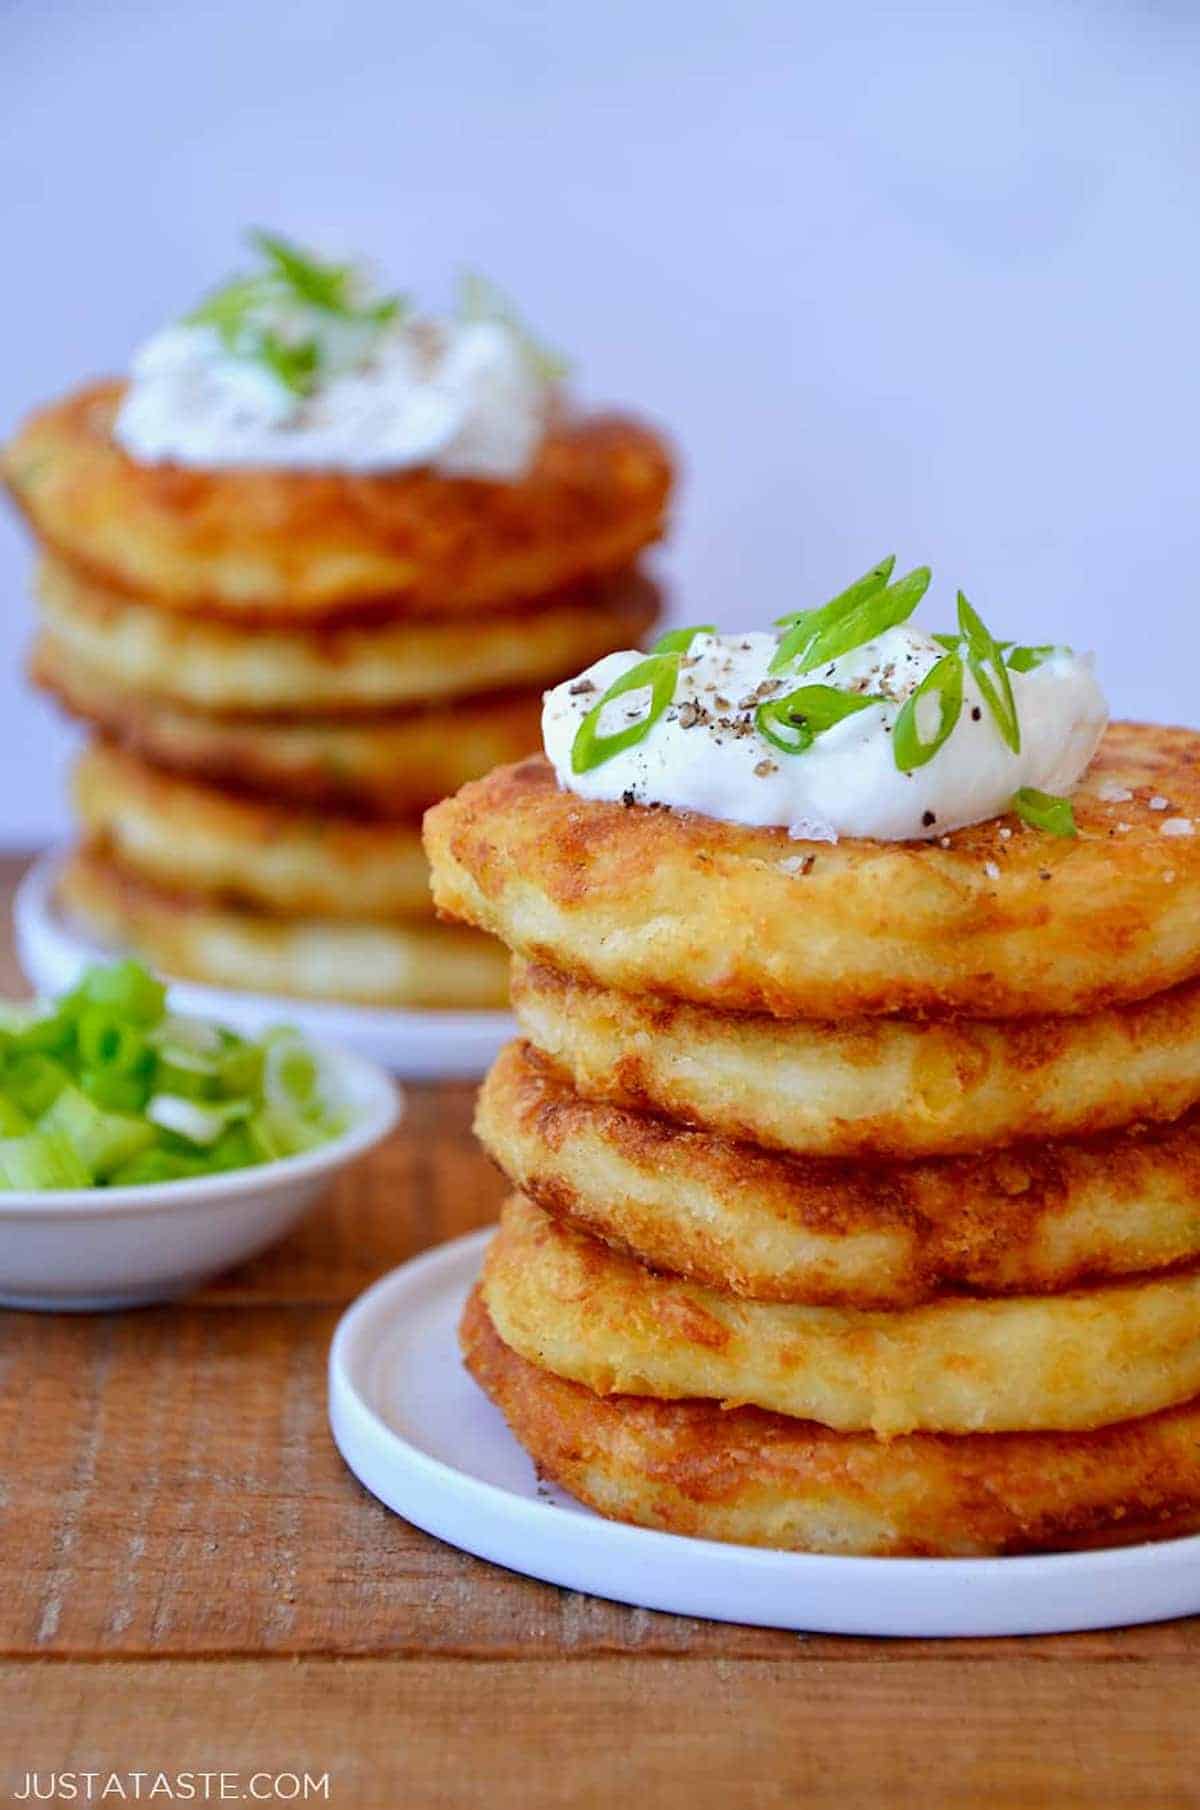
{"points": [[791, 1267], [283, 669]]}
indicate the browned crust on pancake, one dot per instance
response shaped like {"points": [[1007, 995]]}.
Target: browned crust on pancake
{"points": [[247, 853], [391, 766], [1020, 1363], [408, 962], [295, 546], [668, 902], [759, 1479], [769, 1227], [872, 1088], [337, 670]]}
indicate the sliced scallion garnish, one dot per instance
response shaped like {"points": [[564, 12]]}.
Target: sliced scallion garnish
{"points": [[1027, 659], [244, 311], [329, 287], [986, 661], [296, 366], [850, 621], [1045, 811], [943, 683], [679, 640], [862, 588], [659, 673], [792, 723]]}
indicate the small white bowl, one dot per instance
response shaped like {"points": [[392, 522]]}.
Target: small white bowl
{"points": [[89, 1250]]}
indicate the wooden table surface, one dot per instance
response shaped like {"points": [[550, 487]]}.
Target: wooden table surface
{"points": [[190, 1579]]}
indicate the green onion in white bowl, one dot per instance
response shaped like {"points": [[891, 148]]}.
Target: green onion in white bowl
{"points": [[143, 1152], [106, 1088]]}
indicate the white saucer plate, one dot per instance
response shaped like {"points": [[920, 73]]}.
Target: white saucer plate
{"points": [[417, 1046], [422, 1437]]}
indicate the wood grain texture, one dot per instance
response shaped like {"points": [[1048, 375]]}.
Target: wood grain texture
{"points": [[421, 1734], [188, 1570]]}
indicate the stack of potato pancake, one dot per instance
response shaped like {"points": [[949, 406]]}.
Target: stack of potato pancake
{"points": [[284, 668], [859, 1184]]}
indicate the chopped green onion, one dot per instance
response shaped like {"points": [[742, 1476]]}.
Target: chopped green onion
{"points": [[327, 287], [41, 1159], [1045, 811], [102, 1140], [234, 1149], [34, 1080], [279, 1130], [107, 1041], [126, 990], [989, 672], [850, 621], [792, 723], [227, 309], [105, 1088], [162, 1166], [240, 1067], [53, 1035], [245, 311], [590, 749], [13, 1122], [944, 683], [116, 1093], [296, 366], [679, 640], [321, 285], [198, 1124], [1028, 659], [186, 1079], [862, 588]]}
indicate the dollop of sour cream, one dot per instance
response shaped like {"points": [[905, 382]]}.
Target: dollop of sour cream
{"points": [[463, 397], [705, 754]]}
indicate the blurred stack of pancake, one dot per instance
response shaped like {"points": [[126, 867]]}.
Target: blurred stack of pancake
{"points": [[284, 668], [859, 1199]]}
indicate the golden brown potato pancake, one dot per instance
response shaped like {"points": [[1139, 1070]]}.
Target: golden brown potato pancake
{"points": [[757, 1479], [868, 1087], [245, 852], [212, 665], [406, 963], [388, 766], [991, 926], [1029, 1363], [858, 1234], [291, 547]]}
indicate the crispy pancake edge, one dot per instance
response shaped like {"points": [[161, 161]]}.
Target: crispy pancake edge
{"points": [[757, 1479], [246, 853], [405, 963], [868, 1087], [210, 664], [1057, 1363], [273, 545], [851, 1233], [390, 766], [672, 903]]}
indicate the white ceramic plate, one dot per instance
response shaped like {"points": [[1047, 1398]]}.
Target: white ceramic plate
{"points": [[90, 1250], [418, 1046], [414, 1428]]}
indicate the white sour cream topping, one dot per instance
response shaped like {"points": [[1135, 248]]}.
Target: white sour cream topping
{"points": [[463, 397], [704, 753]]}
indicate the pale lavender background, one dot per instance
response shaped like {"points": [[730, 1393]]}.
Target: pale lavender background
{"points": [[914, 276]]}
